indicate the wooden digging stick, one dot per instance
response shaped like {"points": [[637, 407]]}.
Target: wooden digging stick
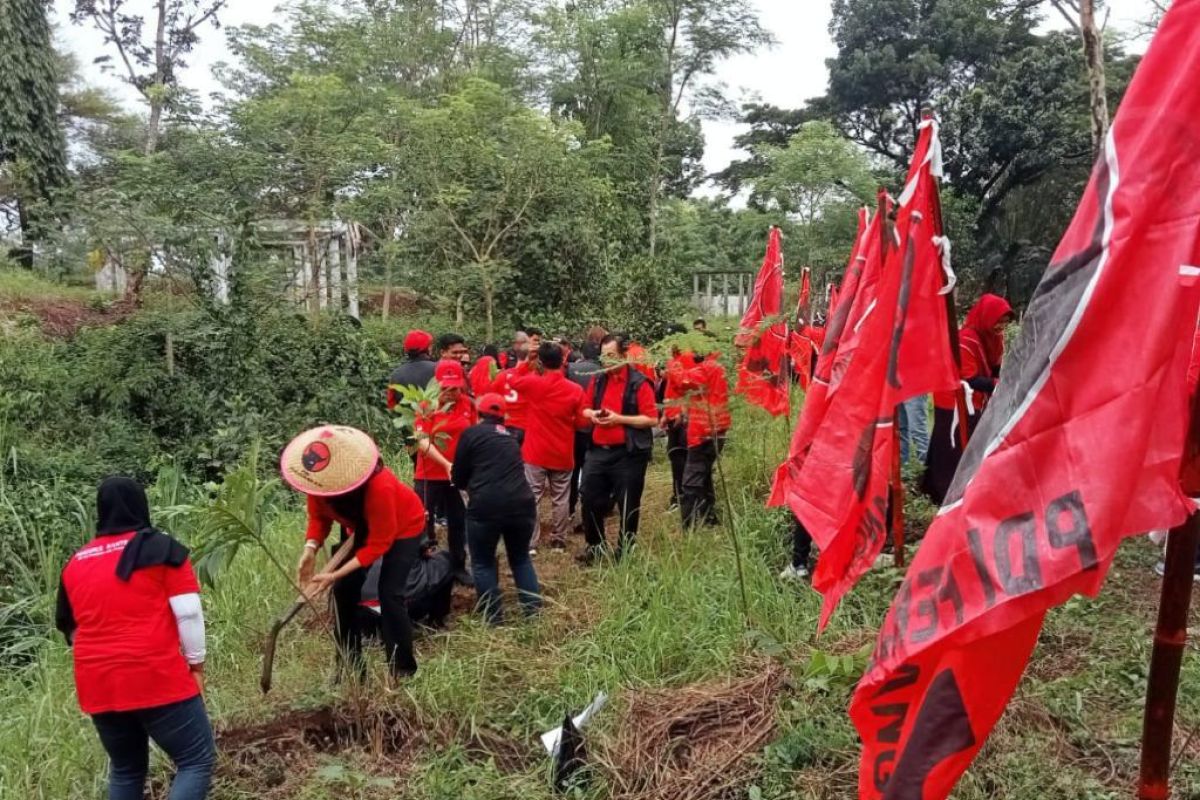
{"points": [[311, 594]]}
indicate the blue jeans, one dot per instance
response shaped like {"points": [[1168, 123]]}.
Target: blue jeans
{"points": [[484, 535], [914, 429], [182, 731]]}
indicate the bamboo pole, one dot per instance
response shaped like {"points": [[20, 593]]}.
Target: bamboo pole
{"points": [[1170, 640], [897, 516], [1170, 635]]}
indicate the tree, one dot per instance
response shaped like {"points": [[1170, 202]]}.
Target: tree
{"points": [[698, 35], [817, 169], [604, 62], [1093, 53], [478, 171], [151, 66], [895, 57], [769, 125], [33, 162]]}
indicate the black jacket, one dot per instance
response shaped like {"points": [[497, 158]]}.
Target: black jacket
{"points": [[416, 373], [582, 372], [489, 467]]}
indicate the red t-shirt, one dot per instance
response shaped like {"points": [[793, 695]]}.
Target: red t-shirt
{"points": [[480, 377], [444, 428], [557, 411], [708, 401], [126, 649], [673, 393], [392, 510], [614, 394], [516, 404]]}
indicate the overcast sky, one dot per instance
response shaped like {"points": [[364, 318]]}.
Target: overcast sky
{"points": [[786, 75]]}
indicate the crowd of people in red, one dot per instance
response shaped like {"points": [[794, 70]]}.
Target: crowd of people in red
{"points": [[541, 421]]}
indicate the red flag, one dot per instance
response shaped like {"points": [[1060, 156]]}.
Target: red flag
{"points": [[815, 399], [801, 345], [898, 347], [1069, 458], [761, 375], [840, 491], [923, 361]]}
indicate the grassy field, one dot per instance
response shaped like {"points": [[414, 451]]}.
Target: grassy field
{"points": [[708, 700]]}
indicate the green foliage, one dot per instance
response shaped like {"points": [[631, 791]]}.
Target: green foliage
{"points": [[230, 516], [33, 160]]}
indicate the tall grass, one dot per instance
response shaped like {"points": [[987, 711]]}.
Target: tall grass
{"points": [[668, 616]]}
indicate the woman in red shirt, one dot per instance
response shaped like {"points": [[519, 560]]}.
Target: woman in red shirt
{"points": [[129, 606], [980, 352], [338, 467]]}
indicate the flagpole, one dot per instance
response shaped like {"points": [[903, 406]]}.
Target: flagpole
{"points": [[885, 235], [1170, 637]]}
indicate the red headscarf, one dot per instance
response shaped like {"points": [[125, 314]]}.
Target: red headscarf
{"points": [[980, 326]]}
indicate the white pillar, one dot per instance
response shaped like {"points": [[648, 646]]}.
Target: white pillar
{"points": [[352, 270], [334, 259]]}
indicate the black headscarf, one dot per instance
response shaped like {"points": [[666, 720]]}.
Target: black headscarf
{"points": [[121, 506]]}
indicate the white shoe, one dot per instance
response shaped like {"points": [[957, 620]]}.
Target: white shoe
{"points": [[532, 552], [794, 574]]}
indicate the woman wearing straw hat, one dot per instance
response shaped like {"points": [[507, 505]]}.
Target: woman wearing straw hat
{"points": [[340, 471]]}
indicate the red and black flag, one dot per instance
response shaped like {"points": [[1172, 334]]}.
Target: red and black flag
{"points": [[1070, 456], [886, 343], [815, 399], [802, 342], [762, 377]]}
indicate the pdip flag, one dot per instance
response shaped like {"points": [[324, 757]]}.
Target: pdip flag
{"points": [[888, 341], [762, 375], [1070, 456]]}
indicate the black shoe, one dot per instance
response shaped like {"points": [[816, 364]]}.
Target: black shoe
{"points": [[463, 577], [558, 544]]}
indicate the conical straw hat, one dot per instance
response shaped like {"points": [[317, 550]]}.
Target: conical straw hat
{"points": [[328, 461]]}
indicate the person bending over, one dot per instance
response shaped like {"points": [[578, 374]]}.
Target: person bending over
{"points": [[339, 469], [500, 508]]}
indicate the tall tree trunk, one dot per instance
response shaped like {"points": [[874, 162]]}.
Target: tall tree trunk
{"points": [[387, 289], [1093, 53], [664, 122], [156, 91], [459, 316], [488, 304]]}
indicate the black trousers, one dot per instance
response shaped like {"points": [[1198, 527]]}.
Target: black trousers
{"points": [[583, 443], [613, 477], [698, 500], [441, 499], [677, 455], [396, 627], [801, 544]]}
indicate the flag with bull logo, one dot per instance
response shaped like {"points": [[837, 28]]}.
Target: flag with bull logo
{"points": [[891, 342], [815, 406], [1069, 458], [762, 375]]}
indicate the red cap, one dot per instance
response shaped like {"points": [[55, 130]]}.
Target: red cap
{"points": [[417, 340], [492, 404], [449, 375]]}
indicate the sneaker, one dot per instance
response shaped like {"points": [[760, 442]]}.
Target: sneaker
{"points": [[533, 552], [793, 573], [558, 544], [1160, 569], [463, 577]]}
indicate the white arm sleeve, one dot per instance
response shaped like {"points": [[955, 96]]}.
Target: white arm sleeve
{"points": [[190, 619]]}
